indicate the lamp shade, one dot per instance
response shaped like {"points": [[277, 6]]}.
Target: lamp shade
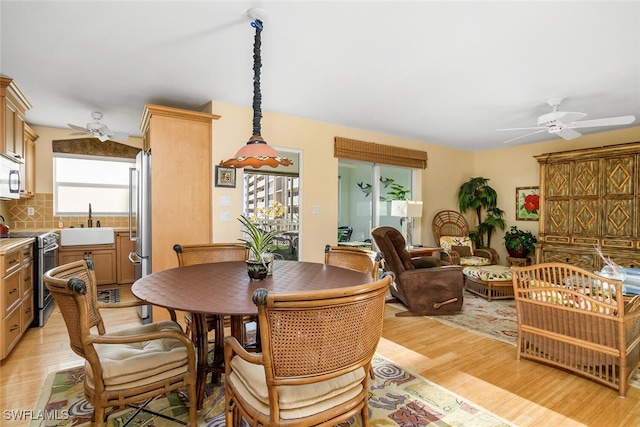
{"points": [[256, 153], [406, 208]]}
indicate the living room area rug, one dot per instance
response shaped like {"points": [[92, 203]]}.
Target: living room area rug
{"points": [[493, 319], [398, 397]]}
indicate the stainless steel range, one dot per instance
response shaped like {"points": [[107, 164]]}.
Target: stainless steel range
{"points": [[45, 257]]}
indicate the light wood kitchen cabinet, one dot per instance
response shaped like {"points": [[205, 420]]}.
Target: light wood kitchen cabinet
{"points": [[125, 269], [180, 145], [14, 106], [590, 197], [16, 298], [28, 169], [103, 256]]}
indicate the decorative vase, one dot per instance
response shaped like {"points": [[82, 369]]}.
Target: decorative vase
{"points": [[257, 270]]}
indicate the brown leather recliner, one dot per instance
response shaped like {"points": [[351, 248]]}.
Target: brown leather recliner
{"points": [[421, 283]]}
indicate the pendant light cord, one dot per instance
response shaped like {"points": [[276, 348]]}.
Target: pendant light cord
{"points": [[257, 64]]}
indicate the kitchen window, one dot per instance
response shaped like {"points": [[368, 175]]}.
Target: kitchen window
{"points": [[101, 181]]}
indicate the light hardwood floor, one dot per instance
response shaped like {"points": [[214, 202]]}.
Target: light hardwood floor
{"points": [[479, 369]]}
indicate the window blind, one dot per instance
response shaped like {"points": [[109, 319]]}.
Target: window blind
{"points": [[345, 148]]}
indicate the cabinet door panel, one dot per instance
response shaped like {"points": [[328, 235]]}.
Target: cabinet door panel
{"points": [[557, 180], [585, 217], [618, 175], [557, 217], [584, 178]]}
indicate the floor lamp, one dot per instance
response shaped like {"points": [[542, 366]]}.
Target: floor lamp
{"points": [[406, 210]]}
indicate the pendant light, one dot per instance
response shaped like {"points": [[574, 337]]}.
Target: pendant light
{"points": [[256, 153]]}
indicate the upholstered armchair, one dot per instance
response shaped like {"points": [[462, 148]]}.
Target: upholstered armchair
{"points": [[421, 283], [451, 231]]}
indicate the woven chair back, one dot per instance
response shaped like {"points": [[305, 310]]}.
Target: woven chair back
{"points": [[362, 260], [79, 311], [449, 223], [209, 253], [312, 336]]}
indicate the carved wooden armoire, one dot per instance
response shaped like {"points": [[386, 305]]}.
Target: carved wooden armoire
{"points": [[590, 197]]}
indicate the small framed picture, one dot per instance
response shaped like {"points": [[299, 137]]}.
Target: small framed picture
{"points": [[225, 177], [527, 203]]}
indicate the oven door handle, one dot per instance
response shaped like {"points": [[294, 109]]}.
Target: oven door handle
{"points": [[50, 248]]}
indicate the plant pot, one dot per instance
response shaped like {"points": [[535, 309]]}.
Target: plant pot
{"points": [[257, 270], [519, 252]]}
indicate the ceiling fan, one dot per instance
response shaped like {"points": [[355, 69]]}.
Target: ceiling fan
{"points": [[563, 123], [98, 130]]}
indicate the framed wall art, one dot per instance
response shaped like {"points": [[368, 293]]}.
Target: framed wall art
{"points": [[527, 203], [225, 177]]}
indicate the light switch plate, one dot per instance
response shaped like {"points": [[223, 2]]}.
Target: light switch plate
{"points": [[225, 216], [225, 201]]}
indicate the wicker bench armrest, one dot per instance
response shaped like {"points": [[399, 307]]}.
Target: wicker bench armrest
{"points": [[450, 257], [633, 306]]}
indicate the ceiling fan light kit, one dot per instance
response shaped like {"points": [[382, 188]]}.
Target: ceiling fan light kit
{"points": [[563, 123], [98, 130], [256, 153]]}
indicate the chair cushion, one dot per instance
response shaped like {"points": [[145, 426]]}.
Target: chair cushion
{"points": [[296, 401], [489, 273], [447, 242], [134, 364], [463, 251], [474, 261]]}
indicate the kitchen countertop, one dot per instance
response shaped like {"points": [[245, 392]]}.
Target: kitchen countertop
{"points": [[9, 243]]}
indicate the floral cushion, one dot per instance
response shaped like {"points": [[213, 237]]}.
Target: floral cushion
{"points": [[446, 242], [454, 243], [498, 273], [474, 261]]}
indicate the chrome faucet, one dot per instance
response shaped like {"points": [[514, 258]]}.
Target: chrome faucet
{"points": [[90, 221]]}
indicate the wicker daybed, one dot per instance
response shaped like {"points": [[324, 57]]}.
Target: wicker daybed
{"points": [[576, 320]]}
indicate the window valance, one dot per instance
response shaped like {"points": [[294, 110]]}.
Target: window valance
{"points": [[345, 148], [93, 147]]}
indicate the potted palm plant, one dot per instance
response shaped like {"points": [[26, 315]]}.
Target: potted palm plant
{"points": [[519, 243], [258, 241]]}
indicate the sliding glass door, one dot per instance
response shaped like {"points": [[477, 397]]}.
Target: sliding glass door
{"points": [[365, 193]]}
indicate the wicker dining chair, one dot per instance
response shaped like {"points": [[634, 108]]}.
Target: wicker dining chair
{"points": [[363, 260], [313, 368], [126, 367], [211, 253]]}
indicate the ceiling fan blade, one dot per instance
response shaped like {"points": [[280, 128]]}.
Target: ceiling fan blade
{"points": [[78, 133], [567, 133], [78, 128], [102, 137], [569, 117], [611, 121], [105, 130], [527, 128], [522, 136]]}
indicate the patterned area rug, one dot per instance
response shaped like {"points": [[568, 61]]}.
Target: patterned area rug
{"points": [[399, 397], [495, 319]]}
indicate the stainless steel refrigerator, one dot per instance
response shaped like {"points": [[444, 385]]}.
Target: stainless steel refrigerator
{"points": [[140, 221]]}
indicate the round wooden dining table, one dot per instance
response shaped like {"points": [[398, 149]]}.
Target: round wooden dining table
{"points": [[225, 289]]}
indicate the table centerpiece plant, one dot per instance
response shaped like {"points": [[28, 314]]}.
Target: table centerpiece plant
{"points": [[519, 243], [258, 241]]}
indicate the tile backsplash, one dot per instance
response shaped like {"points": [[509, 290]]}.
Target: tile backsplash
{"points": [[18, 217]]}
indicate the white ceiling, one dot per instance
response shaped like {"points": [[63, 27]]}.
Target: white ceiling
{"points": [[447, 73]]}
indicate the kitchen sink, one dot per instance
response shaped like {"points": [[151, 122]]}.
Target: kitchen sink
{"points": [[86, 236]]}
